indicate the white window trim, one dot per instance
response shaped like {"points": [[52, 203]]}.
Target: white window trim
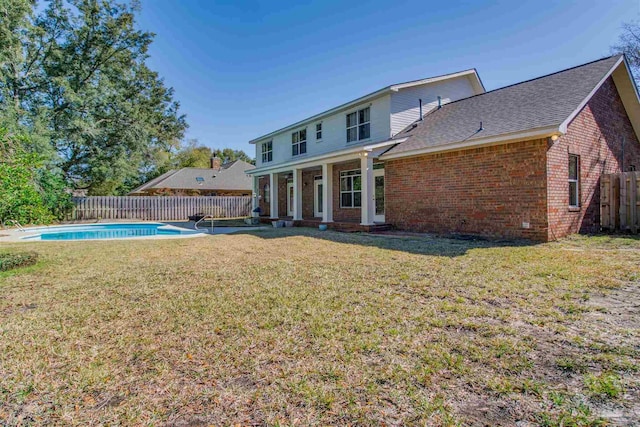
{"points": [[358, 124], [576, 181], [352, 191], [321, 131], [299, 142], [265, 153]]}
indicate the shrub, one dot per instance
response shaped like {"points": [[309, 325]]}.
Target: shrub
{"points": [[10, 261], [29, 192]]}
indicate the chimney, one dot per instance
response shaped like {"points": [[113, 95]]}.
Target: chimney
{"points": [[216, 162]]}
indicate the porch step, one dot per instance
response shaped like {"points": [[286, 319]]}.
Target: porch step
{"points": [[344, 226]]}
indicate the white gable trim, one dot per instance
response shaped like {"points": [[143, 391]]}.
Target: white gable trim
{"points": [[472, 73], [628, 92], [351, 104], [564, 125]]}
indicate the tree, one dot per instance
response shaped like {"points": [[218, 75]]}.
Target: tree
{"points": [[75, 76], [195, 155], [230, 155], [629, 44]]}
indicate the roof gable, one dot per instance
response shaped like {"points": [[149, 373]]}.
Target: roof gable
{"points": [[542, 105], [230, 176], [472, 74]]}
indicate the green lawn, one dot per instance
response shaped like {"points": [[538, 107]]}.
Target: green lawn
{"points": [[300, 327]]}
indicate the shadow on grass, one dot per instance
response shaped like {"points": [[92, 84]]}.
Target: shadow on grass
{"points": [[423, 244]]}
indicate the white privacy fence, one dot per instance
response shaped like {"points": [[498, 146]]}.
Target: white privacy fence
{"points": [[159, 208]]}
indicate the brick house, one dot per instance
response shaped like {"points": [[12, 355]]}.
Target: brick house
{"points": [[443, 155], [220, 179]]}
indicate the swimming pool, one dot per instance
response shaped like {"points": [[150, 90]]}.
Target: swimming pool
{"points": [[107, 231]]}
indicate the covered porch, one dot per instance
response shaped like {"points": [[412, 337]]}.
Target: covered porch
{"points": [[345, 192]]}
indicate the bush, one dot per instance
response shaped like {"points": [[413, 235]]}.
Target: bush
{"points": [[10, 261], [29, 192]]}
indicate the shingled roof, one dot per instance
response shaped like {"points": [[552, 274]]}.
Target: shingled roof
{"points": [[540, 103], [230, 176]]}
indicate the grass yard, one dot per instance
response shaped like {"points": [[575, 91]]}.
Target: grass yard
{"points": [[298, 327]]}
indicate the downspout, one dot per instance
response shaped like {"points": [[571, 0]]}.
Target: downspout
{"points": [[622, 160]]}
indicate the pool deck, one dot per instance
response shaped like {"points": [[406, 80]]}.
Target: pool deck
{"points": [[13, 235]]}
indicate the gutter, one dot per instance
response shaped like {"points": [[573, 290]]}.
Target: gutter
{"points": [[327, 156], [479, 142]]}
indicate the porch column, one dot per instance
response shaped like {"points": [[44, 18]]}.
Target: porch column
{"points": [[273, 187], [297, 194], [367, 196], [327, 192]]}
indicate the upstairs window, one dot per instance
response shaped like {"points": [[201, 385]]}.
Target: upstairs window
{"points": [[299, 142], [350, 189], [318, 131], [267, 151], [574, 181], [358, 125]]}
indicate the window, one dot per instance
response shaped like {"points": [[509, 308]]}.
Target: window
{"points": [[267, 151], [199, 180], [358, 125], [266, 191], [299, 142], [318, 131], [574, 181], [350, 189]]}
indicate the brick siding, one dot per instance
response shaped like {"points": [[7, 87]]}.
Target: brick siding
{"points": [[596, 135], [308, 192], [486, 191], [264, 202]]}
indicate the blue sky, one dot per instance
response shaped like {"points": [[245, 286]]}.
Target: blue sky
{"points": [[241, 69]]}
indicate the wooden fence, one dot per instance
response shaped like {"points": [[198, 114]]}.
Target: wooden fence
{"points": [[620, 202], [159, 208]]}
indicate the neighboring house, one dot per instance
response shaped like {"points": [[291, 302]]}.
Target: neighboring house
{"points": [[523, 161], [229, 179]]}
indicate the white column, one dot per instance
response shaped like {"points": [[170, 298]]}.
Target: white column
{"points": [[327, 192], [273, 187], [368, 202], [297, 194]]}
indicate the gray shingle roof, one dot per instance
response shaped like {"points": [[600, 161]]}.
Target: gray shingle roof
{"points": [[538, 103], [231, 176]]}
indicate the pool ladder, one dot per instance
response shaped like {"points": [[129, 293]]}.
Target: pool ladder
{"points": [[16, 223], [204, 218]]}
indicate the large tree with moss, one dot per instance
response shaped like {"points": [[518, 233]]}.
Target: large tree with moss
{"points": [[74, 78]]}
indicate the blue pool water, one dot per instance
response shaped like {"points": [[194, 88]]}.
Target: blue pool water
{"points": [[105, 231]]}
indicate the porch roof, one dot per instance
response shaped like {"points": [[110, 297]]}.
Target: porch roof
{"points": [[374, 150]]}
